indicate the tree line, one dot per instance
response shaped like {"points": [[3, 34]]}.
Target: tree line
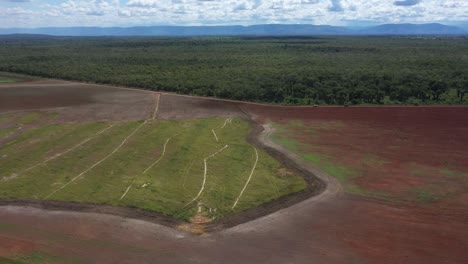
{"points": [[295, 71]]}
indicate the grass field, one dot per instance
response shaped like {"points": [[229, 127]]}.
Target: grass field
{"points": [[156, 165], [7, 79], [2, 80], [6, 118]]}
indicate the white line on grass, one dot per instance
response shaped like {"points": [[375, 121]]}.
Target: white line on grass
{"points": [[14, 175], [214, 133], [156, 108], [228, 120], [147, 169], [99, 162], [204, 175], [248, 180]]}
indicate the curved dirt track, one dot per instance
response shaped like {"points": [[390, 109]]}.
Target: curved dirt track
{"points": [[330, 227]]}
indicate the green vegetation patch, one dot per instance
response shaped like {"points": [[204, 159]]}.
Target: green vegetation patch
{"points": [[429, 194], [4, 80], [10, 261], [6, 118], [137, 175], [28, 118], [286, 70], [4, 132], [37, 257]]}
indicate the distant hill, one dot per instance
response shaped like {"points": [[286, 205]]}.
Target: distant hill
{"points": [[413, 29], [254, 30], [14, 37]]}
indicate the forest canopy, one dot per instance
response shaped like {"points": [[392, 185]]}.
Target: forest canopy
{"points": [[283, 70]]}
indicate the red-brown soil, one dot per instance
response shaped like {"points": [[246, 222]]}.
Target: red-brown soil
{"points": [[345, 230], [11, 247], [395, 151], [335, 229]]}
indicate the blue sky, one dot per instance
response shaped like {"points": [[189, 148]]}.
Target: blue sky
{"points": [[61, 13]]}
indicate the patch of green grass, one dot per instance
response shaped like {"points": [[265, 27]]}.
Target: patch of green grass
{"points": [[52, 116], [28, 118], [38, 144], [6, 131], [4, 80], [313, 157], [37, 257], [358, 190], [341, 172], [167, 187], [10, 261], [453, 173], [422, 170], [428, 195], [6, 118], [287, 143]]}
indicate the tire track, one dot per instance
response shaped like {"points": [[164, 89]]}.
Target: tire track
{"points": [[227, 121], [216, 136], [248, 180], [99, 162], [156, 108], [147, 169], [15, 175], [204, 175]]}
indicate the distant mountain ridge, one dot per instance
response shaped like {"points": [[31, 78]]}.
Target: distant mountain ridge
{"points": [[415, 29], [254, 30]]}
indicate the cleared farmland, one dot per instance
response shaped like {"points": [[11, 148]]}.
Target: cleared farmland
{"points": [[154, 165], [326, 228]]}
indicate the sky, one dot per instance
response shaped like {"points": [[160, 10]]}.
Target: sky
{"points": [[124, 13]]}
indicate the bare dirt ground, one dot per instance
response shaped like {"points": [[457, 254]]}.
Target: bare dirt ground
{"points": [[329, 227], [77, 102], [184, 107], [407, 146]]}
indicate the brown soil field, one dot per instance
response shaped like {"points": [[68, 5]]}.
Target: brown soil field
{"points": [[185, 107], [76, 102], [394, 152], [330, 227]]}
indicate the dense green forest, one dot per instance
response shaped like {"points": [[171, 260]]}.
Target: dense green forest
{"points": [[325, 70]]}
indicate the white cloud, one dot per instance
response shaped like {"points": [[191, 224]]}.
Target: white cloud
{"points": [[196, 12]]}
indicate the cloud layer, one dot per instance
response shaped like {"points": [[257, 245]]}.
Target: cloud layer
{"points": [[27, 13], [406, 2]]}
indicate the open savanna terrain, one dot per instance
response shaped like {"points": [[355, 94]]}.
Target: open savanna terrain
{"points": [[115, 175]]}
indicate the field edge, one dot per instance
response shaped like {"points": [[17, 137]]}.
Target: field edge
{"points": [[314, 186]]}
